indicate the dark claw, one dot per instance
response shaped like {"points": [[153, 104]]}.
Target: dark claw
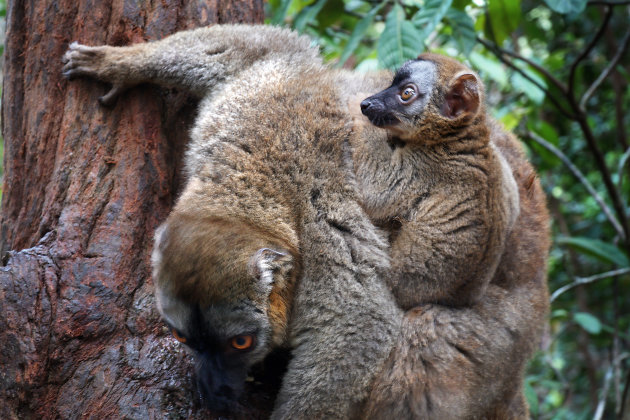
{"points": [[110, 97]]}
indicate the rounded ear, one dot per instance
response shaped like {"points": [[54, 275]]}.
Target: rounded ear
{"points": [[269, 266], [462, 98], [159, 236], [159, 241]]}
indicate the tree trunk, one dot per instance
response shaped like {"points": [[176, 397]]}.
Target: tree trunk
{"points": [[84, 189]]}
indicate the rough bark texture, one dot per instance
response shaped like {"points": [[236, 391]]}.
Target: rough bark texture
{"points": [[84, 188]]}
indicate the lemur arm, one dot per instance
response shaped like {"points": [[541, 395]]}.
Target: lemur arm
{"points": [[198, 60]]}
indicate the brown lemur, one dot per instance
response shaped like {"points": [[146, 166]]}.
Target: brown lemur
{"points": [[468, 228], [268, 245], [438, 183]]}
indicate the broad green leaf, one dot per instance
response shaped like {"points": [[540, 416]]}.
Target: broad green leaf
{"points": [[490, 68], [522, 84], [588, 322], [559, 313], [544, 130], [505, 16], [281, 12], [509, 121], [358, 33], [463, 27], [307, 15], [429, 16], [367, 66], [400, 40], [461, 4], [331, 16], [603, 251], [566, 6]]}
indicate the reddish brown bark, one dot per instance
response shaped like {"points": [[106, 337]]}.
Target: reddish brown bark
{"points": [[84, 188]]}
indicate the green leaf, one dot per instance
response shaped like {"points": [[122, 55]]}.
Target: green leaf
{"points": [[603, 251], [490, 68], [400, 40], [307, 15], [545, 130], [281, 12], [566, 6], [461, 4], [509, 121], [530, 89], [330, 16], [533, 92], [588, 322], [429, 16], [559, 313], [369, 65], [358, 33], [505, 16], [463, 27]]}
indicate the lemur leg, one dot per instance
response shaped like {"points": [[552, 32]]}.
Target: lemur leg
{"points": [[198, 60]]}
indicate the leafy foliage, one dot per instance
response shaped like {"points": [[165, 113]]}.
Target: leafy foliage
{"points": [[400, 40], [505, 17], [566, 6], [557, 72]]}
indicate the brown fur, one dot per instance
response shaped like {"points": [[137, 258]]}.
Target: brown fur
{"points": [[266, 170], [449, 191], [468, 363]]}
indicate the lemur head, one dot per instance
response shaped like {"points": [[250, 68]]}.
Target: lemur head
{"points": [[428, 97], [222, 288]]}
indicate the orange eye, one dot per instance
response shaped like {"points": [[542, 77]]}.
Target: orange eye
{"points": [[242, 342], [177, 336], [407, 93]]}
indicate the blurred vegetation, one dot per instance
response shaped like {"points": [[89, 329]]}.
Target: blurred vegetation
{"points": [[557, 73]]}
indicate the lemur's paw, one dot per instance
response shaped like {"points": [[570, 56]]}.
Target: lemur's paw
{"points": [[81, 60]]}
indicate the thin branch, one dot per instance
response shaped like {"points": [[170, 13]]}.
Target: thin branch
{"points": [[588, 49], [625, 403], [602, 400], [622, 164], [613, 192], [615, 347], [586, 280], [497, 52], [611, 66], [609, 374], [580, 117], [591, 142], [538, 67], [578, 174]]}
